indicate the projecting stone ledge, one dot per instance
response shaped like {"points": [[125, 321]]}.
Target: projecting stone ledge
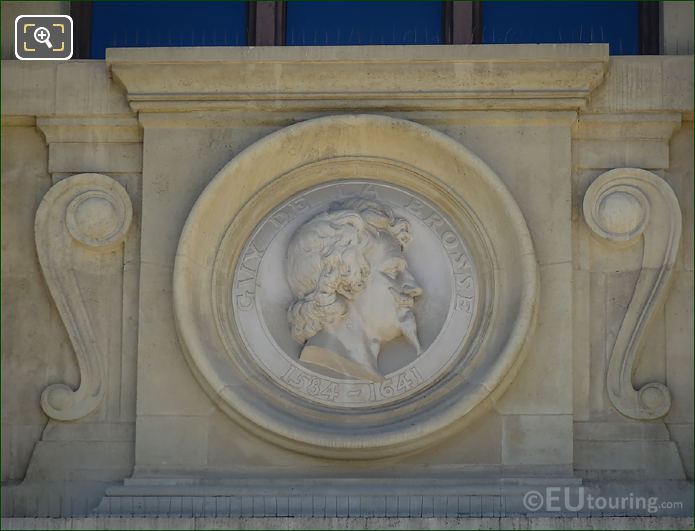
{"points": [[383, 77]]}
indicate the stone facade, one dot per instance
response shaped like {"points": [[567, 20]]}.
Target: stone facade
{"points": [[132, 185]]}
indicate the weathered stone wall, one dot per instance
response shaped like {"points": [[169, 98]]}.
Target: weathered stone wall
{"points": [[677, 28], [162, 123], [35, 157]]}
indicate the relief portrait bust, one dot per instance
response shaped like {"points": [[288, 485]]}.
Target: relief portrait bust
{"points": [[366, 328], [353, 292]]}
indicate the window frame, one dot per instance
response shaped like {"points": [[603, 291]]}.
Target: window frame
{"points": [[648, 31], [462, 23], [82, 13]]}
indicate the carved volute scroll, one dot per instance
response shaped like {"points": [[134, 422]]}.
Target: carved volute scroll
{"points": [[88, 212], [619, 206]]}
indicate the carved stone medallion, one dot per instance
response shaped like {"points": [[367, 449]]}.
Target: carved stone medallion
{"points": [[371, 326], [354, 287]]}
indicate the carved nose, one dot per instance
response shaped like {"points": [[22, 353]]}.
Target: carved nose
{"points": [[413, 291]]}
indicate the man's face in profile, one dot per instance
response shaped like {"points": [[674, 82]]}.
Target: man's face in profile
{"points": [[348, 272], [386, 302]]}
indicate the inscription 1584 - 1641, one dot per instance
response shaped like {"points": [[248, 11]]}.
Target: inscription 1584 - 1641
{"points": [[343, 266]]}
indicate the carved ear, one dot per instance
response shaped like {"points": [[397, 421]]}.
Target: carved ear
{"points": [[620, 206]]}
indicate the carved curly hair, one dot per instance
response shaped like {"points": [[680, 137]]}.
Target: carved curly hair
{"points": [[327, 264]]}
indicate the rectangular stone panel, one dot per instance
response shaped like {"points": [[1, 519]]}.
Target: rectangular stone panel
{"points": [[77, 157], [609, 154], [547, 369], [178, 442], [537, 439]]}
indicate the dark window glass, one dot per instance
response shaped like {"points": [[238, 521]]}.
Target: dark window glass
{"points": [[615, 23], [142, 24], [349, 23]]}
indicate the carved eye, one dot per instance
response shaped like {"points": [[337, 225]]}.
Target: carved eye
{"points": [[392, 273]]}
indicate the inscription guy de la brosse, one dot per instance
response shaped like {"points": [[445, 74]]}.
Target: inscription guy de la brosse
{"points": [[366, 384], [246, 279]]}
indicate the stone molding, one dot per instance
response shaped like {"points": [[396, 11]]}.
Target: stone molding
{"points": [[86, 213], [81, 144], [629, 139], [367, 77], [90, 129], [299, 522], [626, 125], [320, 497], [620, 206]]}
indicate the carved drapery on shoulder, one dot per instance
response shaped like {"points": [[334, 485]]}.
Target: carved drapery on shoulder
{"points": [[85, 213], [619, 206]]}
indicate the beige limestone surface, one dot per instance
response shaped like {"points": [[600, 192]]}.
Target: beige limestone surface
{"points": [[677, 28], [547, 122]]}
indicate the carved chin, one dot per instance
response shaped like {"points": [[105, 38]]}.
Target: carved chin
{"points": [[409, 328]]}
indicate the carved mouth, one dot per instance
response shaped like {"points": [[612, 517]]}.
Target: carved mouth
{"points": [[402, 300]]}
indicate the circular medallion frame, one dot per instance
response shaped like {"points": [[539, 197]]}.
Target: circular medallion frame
{"points": [[333, 151]]}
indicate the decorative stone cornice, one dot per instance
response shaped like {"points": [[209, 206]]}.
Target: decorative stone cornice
{"points": [[365, 77], [605, 140], [101, 129], [624, 126], [99, 143]]}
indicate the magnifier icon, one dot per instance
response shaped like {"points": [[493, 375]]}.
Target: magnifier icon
{"points": [[42, 35]]}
